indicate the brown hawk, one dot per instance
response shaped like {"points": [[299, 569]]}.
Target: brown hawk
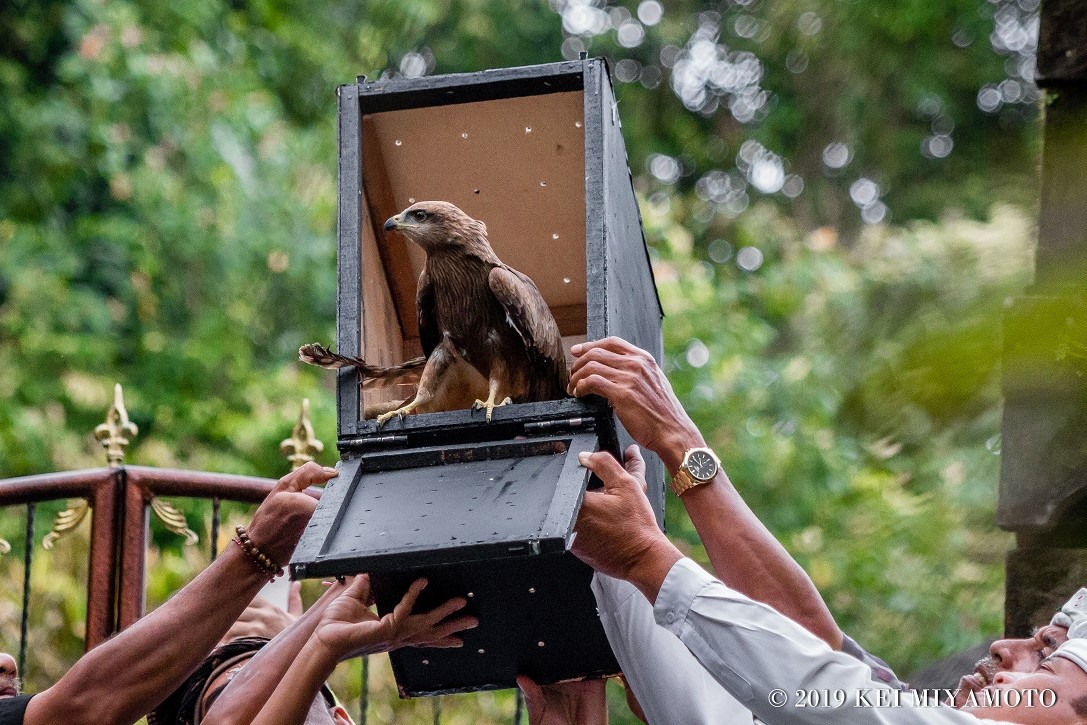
{"points": [[473, 310]]}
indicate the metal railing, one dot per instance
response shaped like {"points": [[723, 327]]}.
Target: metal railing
{"points": [[120, 500]]}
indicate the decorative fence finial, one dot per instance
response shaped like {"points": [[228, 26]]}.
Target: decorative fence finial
{"points": [[116, 433], [303, 444]]}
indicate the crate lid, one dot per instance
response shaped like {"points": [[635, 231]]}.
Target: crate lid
{"points": [[400, 509], [490, 521]]}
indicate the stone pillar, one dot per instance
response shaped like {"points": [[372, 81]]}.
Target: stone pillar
{"points": [[1043, 475]]}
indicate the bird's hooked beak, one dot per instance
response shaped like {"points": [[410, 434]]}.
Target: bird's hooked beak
{"points": [[392, 223]]}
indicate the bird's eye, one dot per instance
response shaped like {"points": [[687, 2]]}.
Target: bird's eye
{"points": [[419, 215]]}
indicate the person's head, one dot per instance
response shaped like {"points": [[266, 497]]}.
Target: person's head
{"points": [[324, 710], [9, 676], [190, 703], [1054, 693], [1024, 655]]}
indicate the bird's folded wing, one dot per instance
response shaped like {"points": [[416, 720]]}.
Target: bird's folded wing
{"points": [[527, 312]]}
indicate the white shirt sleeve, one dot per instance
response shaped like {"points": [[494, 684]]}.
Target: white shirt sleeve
{"points": [[770, 664], [668, 682]]}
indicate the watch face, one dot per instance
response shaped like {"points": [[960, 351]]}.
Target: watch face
{"points": [[701, 465]]}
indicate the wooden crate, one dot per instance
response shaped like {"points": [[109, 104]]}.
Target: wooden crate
{"points": [[537, 154]]}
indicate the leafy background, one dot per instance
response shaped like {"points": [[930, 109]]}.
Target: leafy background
{"points": [[838, 196]]}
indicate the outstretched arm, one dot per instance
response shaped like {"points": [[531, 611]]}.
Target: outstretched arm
{"points": [[744, 554], [125, 677], [765, 660], [664, 681], [347, 628], [242, 699]]}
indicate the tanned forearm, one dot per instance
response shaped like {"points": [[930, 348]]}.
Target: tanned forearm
{"points": [[743, 552], [292, 699], [122, 679], [242, 699], [125, 677], [652, 568]]}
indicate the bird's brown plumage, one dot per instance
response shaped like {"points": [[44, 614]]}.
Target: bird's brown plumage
{"points": [[475, 309], [373, 376]]}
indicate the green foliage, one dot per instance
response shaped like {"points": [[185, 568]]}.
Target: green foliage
{"points": [[853, 396], [167, 215], [167, 218]]}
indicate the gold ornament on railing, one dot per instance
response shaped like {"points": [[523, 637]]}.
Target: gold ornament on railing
{"points": [[174, 520], [303, 444], [67, 520], [116, 433]]}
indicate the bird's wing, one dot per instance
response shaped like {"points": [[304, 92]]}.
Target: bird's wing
{"points": [[527, 313], [429, 334], [373, 376]]}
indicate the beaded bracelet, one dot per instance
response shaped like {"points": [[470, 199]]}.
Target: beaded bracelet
{"points": [[262, 561]]}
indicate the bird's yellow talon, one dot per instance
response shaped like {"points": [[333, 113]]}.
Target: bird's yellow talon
{"points": [[489, 405], [398, 413]]}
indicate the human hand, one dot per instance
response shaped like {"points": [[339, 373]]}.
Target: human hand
{"points": [[616, 529], [566, 703], [639, 393], [279, 521], [348, 628]]}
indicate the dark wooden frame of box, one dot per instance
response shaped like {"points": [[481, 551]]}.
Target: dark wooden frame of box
{"points": [[506, 549]]}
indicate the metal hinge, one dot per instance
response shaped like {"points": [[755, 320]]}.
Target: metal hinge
{"points": [[381, 441], [552, 426], [533, 548]]}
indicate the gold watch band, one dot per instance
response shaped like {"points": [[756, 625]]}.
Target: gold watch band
{"points": [[683, 481]]}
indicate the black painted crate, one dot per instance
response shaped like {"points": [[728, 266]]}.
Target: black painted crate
{"points": [[490, 522], [537, 154]]}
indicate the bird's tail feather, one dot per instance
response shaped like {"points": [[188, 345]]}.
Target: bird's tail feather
{"points": [[405, 373]]}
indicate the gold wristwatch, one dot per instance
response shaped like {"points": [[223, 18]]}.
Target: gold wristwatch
{"points": [[700, 465]]}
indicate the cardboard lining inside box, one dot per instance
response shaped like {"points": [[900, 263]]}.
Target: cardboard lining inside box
{"points": [[517, 164]]}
